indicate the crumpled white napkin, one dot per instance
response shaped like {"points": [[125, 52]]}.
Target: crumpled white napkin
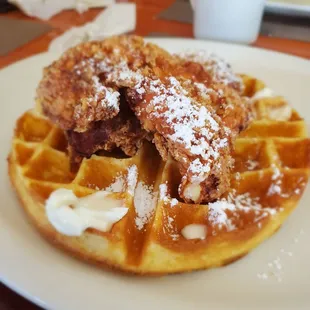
{"points": [[45, 9], [116, 19]]}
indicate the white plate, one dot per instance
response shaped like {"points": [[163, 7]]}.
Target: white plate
{"points": [[54, 280], [289, 7]]}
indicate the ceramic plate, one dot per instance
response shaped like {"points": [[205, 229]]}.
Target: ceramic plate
{"points": [[48, 277]]}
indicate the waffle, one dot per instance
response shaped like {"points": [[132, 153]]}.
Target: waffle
{"points": [[272, 159]]}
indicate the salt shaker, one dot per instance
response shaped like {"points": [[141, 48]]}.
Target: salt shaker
{"points": [[227, 20]]}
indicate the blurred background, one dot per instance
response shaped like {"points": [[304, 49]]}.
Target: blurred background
{"points": [[31, 26]]}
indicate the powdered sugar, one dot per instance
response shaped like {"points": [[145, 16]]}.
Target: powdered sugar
{"points": [[163, 191], [120, 182], [174, 202], [121, 74], [190, 125], [275, 270], [217, 67], [199, 169], [217, 214], [276, 173], [238, 176], [106, 96], [204, 91], [163, 195], [144, 202], [111, 98], [274, 189], [144, 198], [276, 266], [252, 164], [132, 178], [276, 178], [236, 204], [184, 121], [117, 186], [169, 228]]}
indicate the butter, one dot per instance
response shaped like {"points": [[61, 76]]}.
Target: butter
{"points": [[194, 231], [71, 215]]}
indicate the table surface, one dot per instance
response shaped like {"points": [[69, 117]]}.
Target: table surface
{"points": [[147, 23]]}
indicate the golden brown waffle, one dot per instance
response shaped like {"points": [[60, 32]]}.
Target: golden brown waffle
{"points": [[272, 160]]}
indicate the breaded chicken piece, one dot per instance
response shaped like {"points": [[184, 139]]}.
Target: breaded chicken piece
{"points": [[73, 92], [206, 175], [75, 95], [218, 69], [190, 116], [190, 132], [227, 88], [122, 131]]}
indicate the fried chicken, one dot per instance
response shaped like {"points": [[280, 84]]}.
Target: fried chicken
{"points": [[223, 85], [190, 132], [191, 116], [122, 131], [218, 69], [74, 94]]}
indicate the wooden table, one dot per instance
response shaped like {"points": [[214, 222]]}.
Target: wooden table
{"points": [[147, 22]]}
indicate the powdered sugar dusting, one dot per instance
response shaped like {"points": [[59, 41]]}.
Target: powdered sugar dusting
{"points": [[275, 187], [174, 202], [106, 96], [120, 182], [163, 191], [110, 96], [217, 214], [216, 66], [121, 73], [252, 164], [189, 124], [117, 186], [235, 205], [184, 121], [205, 92], [145, 203], [169, 228], [276, 266], [132, 178], [144, 198], [163, 195]]}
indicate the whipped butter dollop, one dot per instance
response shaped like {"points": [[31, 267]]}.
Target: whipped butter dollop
{"points": [[280, 112], [71, 215], [263, 93], [194, 231]]}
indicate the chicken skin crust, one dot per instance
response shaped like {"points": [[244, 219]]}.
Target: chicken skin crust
{"points": [[189, 114]]}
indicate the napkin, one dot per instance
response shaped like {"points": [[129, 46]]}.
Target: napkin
{"points": [[116, 19], [45, 9]]}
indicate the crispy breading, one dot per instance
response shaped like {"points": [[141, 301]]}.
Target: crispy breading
{"points": [[75, 95], [190, 132], [123, 131], [72, 91], [226, 100], [192, 115]]}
